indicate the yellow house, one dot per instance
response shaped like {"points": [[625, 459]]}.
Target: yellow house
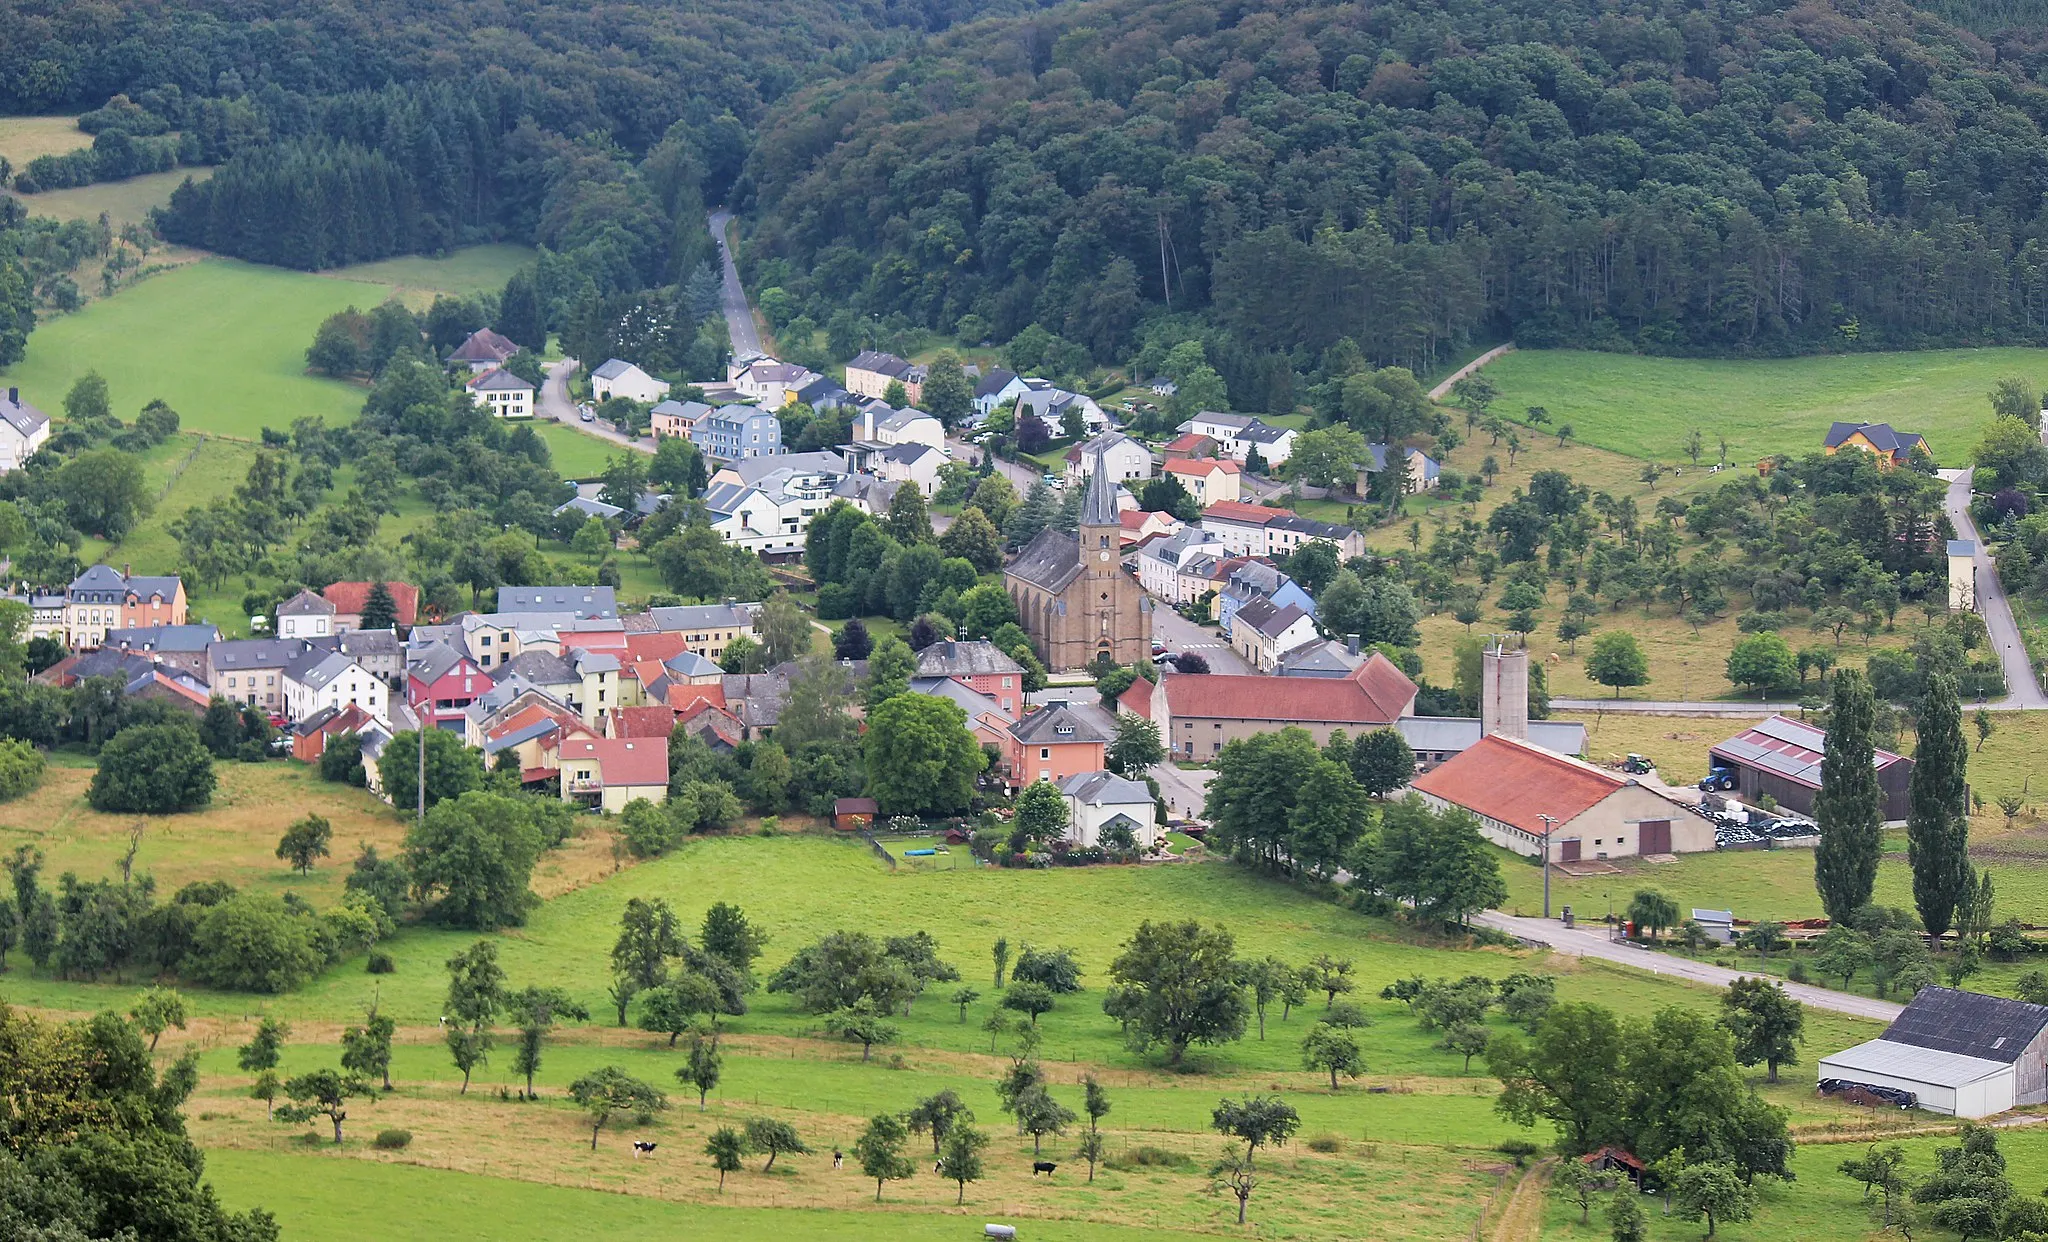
{"points": [[1962, 575], [1890, 447], [609, 772], [1208, 480]]}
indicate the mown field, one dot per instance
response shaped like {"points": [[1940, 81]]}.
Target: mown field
{"points": [[418, 278], [576, 455], [1645, 407], [124, 202], [23, 138]]}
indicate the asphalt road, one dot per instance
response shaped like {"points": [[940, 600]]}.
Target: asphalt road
{"points": [[2024, 692], [732, 299], [1579, 942], [555, 404], [1021, 477], [1184, 790], [1180, 634]]}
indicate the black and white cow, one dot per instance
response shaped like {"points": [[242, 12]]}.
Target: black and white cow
{"points": [[643, 1149]]}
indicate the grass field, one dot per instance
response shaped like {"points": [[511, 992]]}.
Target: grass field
{"points": [[1645, 407], [124, 202], [23, 138], [224, 342], [576, 455], [417, 278]]}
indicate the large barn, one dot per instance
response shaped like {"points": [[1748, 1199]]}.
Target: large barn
{"points": [[1781, 757], [1960, 1053]]}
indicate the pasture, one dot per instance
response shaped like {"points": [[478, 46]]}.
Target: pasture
{"points": [[124, 202], [1645, 407], [23, 138], [576, 455], [417, 278], [223, 342]]}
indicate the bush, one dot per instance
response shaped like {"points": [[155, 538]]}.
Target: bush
{"points": [[1520, 1149], [21, 768], [381, 963], [153, 770], [393, 1140], [1797, 972], [252, 943], [1328, 1144], [1148, 1157]]}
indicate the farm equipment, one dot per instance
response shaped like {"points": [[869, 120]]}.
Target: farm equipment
{"points": [[1720, 777], [1637, 765]]}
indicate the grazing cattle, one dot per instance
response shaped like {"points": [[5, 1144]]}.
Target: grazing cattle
{"points": [[642, 1149], [938, 1166], [1043, 1166], [837, 1158]]}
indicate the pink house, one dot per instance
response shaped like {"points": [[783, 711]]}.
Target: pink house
{"points": [[440, 682]]}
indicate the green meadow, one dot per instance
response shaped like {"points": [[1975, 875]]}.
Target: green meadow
{"points": [[1646, 407], [128, 201], [417, 278]]}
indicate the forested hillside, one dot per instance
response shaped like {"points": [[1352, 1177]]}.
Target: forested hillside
{"points": [[1727, 178]]}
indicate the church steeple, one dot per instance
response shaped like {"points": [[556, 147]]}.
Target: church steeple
{"points": [[1100, 507]]}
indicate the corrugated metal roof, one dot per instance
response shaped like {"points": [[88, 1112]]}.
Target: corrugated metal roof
{"points": [[1789, 748], [1897, 1060], [1971, 1023]]}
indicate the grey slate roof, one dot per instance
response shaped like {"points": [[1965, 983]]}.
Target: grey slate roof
{"points": [[756, 698], [611, 368], [971, 701], [691, 410], [590, 506], [578, 601], [1099, 509], [689, 664], [878, 362], [910, 453], [1882, 435], [965, 659], [1331, 531], [1104, 789], [1962, 547], [306, 604], [1451, 734], [1050, 561], [679, 617], [238, 654], [432, 663], [1065, 722], [542, 668], [1969, 1023], [186, 638], [484, 345], [1261, 433], [20, 415], [317, 668], [994, 382], [1262, 616], [498, 379]]}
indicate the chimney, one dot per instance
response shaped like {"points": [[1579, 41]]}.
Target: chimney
{"points": [[1504, 692], [1351, 643]]}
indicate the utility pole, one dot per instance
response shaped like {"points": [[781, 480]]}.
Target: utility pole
{"points": [[1549, 826]]}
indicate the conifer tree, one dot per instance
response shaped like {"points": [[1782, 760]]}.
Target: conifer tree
{"points": [[1937, 821], [1849, 807]]}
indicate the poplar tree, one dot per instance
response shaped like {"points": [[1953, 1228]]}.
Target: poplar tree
{"points": [[1849, 808], [1937, 822]]}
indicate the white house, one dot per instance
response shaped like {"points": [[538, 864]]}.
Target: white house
{"points": [[1264, 631], [1237, 434], [881, 425], [997, 390], [913, 463], [322, 679], [1051, 403], [1127, 460], [767, 382], [1161, 562], [502, 393], [619, 378], [771, 514], [1096, 800], [23, 429], [305, 615]]}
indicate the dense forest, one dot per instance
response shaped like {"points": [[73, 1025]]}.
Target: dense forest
{"points": [[1746, 177]]}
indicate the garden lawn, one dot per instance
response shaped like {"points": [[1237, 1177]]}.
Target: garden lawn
{"points": [[223, 342], [576, 455], [1645, 407], [23, 138]]}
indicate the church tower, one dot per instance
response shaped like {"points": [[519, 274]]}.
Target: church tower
{"points": [[1111, 599]]}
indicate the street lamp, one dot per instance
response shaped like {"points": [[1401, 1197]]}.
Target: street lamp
{"points": [[1549, 826]]}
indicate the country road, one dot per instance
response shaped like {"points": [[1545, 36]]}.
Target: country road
{"points": [[2023, 691], [1443, 389], [1577, 942], [732, 297]]}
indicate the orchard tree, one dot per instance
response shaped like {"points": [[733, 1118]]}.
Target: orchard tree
{"points": [[880, 1151], [366, 1049], [322, 1093], [1766, 1023], [305, 843], [703, 1068], [1617, 660], [156, 1011], [155, 769], [774, 1137], [536, 1010], [261, 1055], [1177, 985], [727, 1148], [1041, 817], [1762, 663], [960, 1161], [1333, 1049], [610, 1092], [1257, 1121]]}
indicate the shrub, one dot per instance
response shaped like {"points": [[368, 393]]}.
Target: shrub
{"points": [[381, 963], [392, 1140], [1328, 1144], [254, 943], [1148, 1157], [21, 768], [1797, 973], [153, 770]]}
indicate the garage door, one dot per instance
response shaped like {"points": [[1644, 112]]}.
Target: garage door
{"points": [[1656, 836], [1567, 851]]}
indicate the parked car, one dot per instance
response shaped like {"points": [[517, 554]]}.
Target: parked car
{"points": [[586, 416]]}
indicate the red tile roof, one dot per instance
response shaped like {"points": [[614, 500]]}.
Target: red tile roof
{"points": [[681, 695], [656, 721], [1515, 782], [1137, 699], [658, 646], [1375, 695], [1238, 511], [1193, 465], [350, 597], [1134, 519], [622, 761], [1192, 442]]}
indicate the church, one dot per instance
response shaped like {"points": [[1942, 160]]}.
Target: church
{"points": [[1072, 593]]}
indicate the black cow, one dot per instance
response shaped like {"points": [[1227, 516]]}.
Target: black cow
{"points": [[1043, 1166], [643, 1149]]}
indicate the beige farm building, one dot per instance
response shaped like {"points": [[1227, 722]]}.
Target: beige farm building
{"points": [[1511, 785]]}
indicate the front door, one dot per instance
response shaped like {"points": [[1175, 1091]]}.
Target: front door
{"points": [[1568, 851]]}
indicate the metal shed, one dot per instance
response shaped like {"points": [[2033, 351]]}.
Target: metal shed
{"points": [[1941, 1082], [1781, 757], [1961, 1053]]}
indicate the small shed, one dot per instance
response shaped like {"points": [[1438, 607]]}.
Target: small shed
{"points": [[1614, 1160], [1720, 924], [854, 814], [1780, 758], [1960, 1053]]}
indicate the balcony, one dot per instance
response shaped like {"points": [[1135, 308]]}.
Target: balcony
{"points": [[585, 785]]}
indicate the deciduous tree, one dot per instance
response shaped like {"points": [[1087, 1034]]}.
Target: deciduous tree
{"points": [[608, 1092]]}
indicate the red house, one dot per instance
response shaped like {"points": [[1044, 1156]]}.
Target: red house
{"points": [[440, 682], [311, 735]]}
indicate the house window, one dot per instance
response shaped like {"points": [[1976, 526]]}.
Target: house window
{"points": [[1045, 752]]}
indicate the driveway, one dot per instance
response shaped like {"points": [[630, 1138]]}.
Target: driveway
{"points": [[1577, 942], [732, 298], [1185, 790], [2024, 692], [555, 404], [1021, 476], [1443, 390]]}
